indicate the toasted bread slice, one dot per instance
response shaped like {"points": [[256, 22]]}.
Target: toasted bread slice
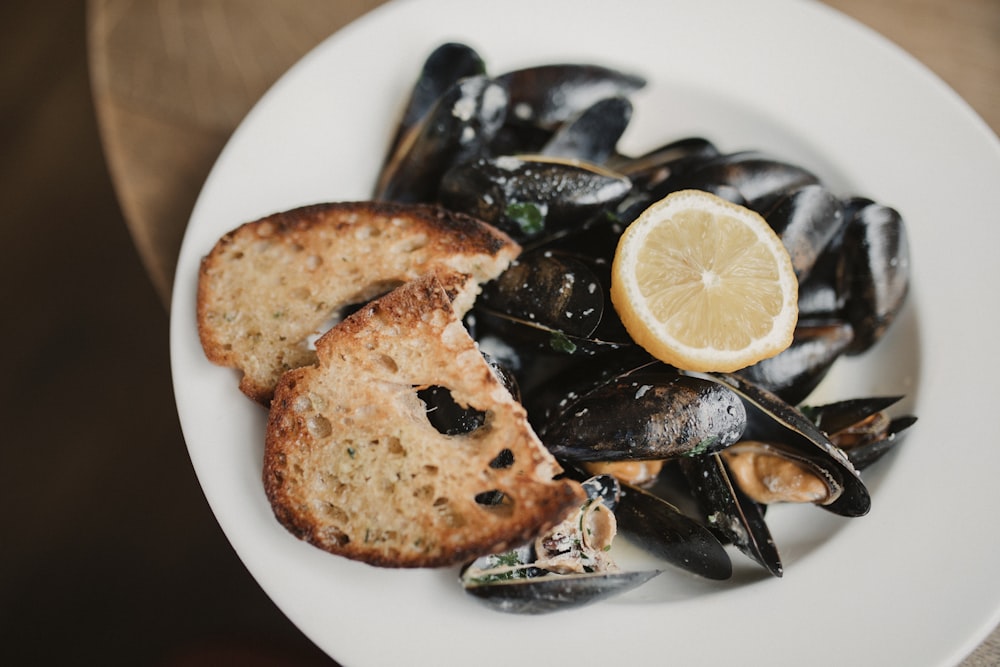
{"points": [[269, 287], [353, 466]]}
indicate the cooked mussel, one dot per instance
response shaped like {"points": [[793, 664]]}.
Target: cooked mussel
{"points": [[806, 219], [548, 95], [796, 371], [443, 68], [862, 427], [531, 196], [457, 128], [759, 180], [729, 512], [653, 412], [792, 435], [567, 566], [593, 134], [877, 272]]}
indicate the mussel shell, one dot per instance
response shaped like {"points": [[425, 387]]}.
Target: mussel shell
{"points": [[728, 511], [457, 128], [526, 336], [797, 370], [806, 220], [840, 415], [531, 196], [759, 179], [652, 413], [548, 95], [445, 66], [872, 432], [554, 290], [862, 456], [877, 271], [593, 134], [555, 592], [660, 528], [821, 293], [669, 160], [784, 427]]}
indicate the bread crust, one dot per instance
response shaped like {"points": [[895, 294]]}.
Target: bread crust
{"points": [[353, 466], [269, 287]]}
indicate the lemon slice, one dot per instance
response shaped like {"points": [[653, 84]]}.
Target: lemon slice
{"points": [[704, 284]]}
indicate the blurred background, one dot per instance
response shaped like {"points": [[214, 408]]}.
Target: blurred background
{"points": [[110, 554]]}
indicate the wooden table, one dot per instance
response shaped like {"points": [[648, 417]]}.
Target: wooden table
{"points": [[173, 78]]}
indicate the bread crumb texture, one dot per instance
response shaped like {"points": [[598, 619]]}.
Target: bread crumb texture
{"points": [[354, 466]]}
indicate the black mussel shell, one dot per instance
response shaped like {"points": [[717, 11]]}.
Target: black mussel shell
{"points": [[728, 511], [672, 159], [456, 129], [554, 290], [593, 134], [532, 196], [807, 220], [548, 95], [445, 66], [545, 593], [797, 370], [759, 179], [660, 528], [784, 427], [652, 413], [877, 271]]}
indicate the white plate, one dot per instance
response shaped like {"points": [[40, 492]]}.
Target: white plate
{"points": [[913, 583]]}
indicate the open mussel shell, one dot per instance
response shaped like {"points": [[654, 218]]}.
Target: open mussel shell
{"points": [[877, 271], [531, 196], [650, 413], [458, 127], [546, 96], [444, 67], [661, 529], [797, 370], [544, 593], [729, 512], [788, 430], [861, 426]]}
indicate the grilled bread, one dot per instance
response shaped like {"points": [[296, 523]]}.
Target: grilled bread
{"points": [[270, 287], [353, 465]]}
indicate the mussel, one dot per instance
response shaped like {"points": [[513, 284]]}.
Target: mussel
{"points": [[457, 128], [653, 412], [568, 566], [529, 196]]}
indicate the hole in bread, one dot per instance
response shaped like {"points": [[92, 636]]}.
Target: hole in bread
{"points": [[504, 459], [389, 363], [339, 313], [332, 535], [494, 497], [336, 514], [446, 415], [319, 426], [451, 517], [395, 446]]}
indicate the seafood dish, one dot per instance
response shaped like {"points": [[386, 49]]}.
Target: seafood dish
{"points": [[682, 464]]}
